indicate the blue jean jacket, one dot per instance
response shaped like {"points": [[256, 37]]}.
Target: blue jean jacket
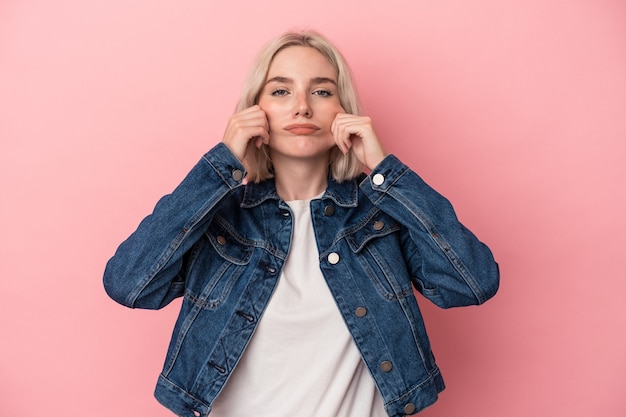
{"points": [[222, 244]]}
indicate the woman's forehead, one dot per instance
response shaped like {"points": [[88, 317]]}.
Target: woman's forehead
{"points": [[301, 60]]}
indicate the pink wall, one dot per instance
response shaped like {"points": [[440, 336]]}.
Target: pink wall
{"points": [[516, 110]]}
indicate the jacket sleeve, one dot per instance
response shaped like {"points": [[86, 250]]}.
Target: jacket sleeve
{"points": [[447, 262], [146, 270]]}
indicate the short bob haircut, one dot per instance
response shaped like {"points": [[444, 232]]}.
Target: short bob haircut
{"points": [[259, 166]]}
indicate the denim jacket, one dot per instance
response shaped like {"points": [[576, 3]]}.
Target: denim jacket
{"points": [[221, 245]]}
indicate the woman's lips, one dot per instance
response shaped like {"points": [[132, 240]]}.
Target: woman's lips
{"points": [[302, 129]]}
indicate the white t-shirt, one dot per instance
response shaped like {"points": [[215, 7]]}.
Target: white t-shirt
{"points": [[301, 360]]}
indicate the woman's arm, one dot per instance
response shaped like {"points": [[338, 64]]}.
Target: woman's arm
{"points": [[146, 270], [448, 263]]}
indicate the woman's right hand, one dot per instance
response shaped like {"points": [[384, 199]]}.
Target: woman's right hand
{"points": [[249, 127]]}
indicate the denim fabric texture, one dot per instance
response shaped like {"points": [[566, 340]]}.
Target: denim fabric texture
{"points": [[221, 245]]}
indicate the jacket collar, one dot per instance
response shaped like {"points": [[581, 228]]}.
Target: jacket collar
{"points": [[344, 194]]}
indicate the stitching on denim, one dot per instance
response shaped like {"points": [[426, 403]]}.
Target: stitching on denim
{"points": [[203, 300], [441, 243]]}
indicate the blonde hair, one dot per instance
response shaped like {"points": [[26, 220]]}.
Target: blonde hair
{"points": [[258, 163]]}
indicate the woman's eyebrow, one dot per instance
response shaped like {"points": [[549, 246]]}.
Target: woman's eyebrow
{"points": [[323, 80], [282, 80]]}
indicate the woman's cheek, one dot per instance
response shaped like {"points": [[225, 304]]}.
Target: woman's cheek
{"points": [[270, 113]]}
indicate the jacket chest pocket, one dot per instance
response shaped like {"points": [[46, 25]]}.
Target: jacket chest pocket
{"points": [[217, 262], [376, 246]]}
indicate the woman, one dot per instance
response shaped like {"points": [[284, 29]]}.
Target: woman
{"points": [[297, 270]]}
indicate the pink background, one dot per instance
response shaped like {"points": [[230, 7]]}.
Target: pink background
{"points": [[515, 110]]}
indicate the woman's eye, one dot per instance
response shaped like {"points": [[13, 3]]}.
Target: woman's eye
{"points": [[323, 93], [279, 92]]}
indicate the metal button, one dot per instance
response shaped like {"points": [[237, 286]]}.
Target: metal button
{"points": [[360, 312], [333, 258], [409, 408], [378, 179], [378, 225], [221, 240], [386, 366], [329, 210], [237, 175]]}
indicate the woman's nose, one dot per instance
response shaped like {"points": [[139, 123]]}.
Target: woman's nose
{"points": [[302, 107]]}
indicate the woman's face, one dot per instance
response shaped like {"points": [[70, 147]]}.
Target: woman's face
{"points": [[301, 100]]}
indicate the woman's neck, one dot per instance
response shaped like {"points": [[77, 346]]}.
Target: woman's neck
{"points": [[300, 180]]}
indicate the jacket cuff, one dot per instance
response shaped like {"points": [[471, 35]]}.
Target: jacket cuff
{"points": [[226, 165], [386, 173]]}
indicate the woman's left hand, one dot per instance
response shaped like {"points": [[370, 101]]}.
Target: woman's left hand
{"points": [[357, 133]]}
